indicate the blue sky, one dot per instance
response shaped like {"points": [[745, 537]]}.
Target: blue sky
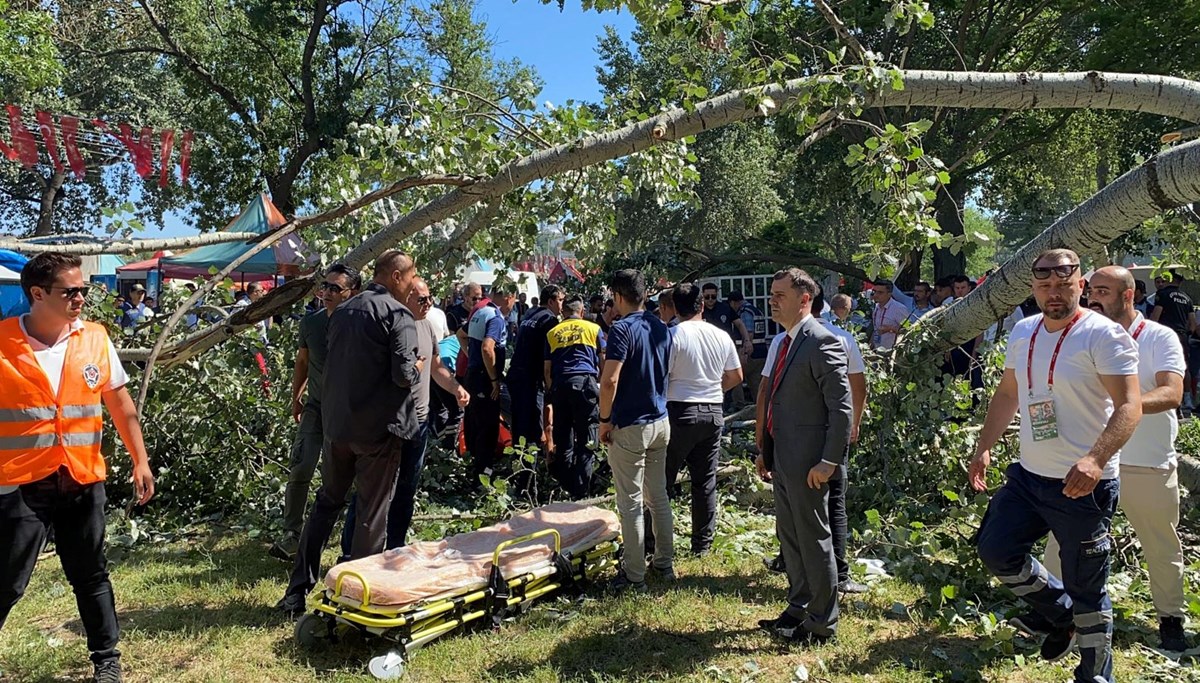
{"points": [[560, 46]]}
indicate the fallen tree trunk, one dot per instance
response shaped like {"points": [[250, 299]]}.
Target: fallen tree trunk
{"points": [[1166, 181], [1161, 95]]}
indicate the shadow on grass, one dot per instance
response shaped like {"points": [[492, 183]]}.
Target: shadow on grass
{"points": [[929, 652], [218, 559]]}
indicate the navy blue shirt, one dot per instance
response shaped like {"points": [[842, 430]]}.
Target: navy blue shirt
{"points": [[529, 349], [643, 344]]}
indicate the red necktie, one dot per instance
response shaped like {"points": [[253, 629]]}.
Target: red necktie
{"points": [[776, 376]]}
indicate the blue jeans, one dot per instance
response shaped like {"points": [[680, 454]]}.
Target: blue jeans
{"points": [[1024, 511], [400, 513]]}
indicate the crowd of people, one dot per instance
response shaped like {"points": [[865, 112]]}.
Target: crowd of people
{"points": [[1097, 377]]}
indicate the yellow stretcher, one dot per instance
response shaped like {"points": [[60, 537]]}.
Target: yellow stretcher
{"points": [[412, 625]]}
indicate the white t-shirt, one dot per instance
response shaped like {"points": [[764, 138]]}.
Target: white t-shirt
{"points": [[1095, 346], [1159, 350], [437, 320], [700, 354], [891, 314], [52, 358], [854, 366]]}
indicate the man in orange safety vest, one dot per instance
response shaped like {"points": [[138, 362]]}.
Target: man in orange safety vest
{"points": [[57, 371]]}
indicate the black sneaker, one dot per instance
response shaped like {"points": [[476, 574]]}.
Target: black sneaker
{"points": [[1058, 644], [622, 584], [1170, 631], [292, 605], [1031, 624], [852, 587], [667, 573], [775, 564], [108, 671]]}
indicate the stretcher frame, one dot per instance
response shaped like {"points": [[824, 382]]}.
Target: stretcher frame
{"points": [[408, 627]]}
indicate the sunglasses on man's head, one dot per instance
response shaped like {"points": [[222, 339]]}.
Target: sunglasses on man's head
{"points": [[1044, 273], [72, 292]]}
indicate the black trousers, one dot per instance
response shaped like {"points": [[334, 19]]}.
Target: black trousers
{"points": [[481, 422], [576, 401], [76, 513], [696, 443], [839, 524], [371, 469]]}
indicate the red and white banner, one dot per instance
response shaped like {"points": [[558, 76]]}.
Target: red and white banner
{"points": [[145, 147]]}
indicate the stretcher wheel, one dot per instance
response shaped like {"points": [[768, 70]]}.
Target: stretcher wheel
{"points": [[311, 630], [387, 667]]}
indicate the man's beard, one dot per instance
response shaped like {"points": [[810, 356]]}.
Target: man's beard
{"points": [[1068, 310]]}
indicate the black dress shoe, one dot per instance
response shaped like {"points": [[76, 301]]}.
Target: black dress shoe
{"points": [[292, 605], [784, 620], [800, 635]]}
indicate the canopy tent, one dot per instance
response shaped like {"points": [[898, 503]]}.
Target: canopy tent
{"points": [[12, 297], [289, 256]]}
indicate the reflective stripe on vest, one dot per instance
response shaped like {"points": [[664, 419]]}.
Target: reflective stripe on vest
{"points": [[41, 431]]}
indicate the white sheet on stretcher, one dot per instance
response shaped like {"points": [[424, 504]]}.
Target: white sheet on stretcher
{"points": [[431, 569]]}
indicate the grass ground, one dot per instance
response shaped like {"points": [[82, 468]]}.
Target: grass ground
{"points": [[201, 610]]}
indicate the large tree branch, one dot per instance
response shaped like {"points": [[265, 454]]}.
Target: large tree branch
{"points": [[93, 245], [1160, 95], [320, 12], [713, 260], [1040, 137], [1166, 181], [843, 33]]}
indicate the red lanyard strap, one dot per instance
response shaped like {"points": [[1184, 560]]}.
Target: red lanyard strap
{"points": [[1139, 329], [1053, 358]]}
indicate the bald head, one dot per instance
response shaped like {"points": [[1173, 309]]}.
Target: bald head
{"points": [[1112, 287]]}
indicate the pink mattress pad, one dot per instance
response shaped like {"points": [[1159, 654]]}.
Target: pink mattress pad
{"points": [[431, 569]]}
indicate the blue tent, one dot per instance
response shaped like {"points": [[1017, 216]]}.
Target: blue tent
{"points": [[12, 298]]}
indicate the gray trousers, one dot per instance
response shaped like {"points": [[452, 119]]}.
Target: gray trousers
{"points": [[802, 524], [638, 457], [306, 453]]}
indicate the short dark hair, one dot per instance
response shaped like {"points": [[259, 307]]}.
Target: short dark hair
{"points": [[500, 289], [352, 276], [886, 284], [735, 296], [798, 279], [393, 259], [818, 300], [686, 297], [924, 284], [549, 292], [963, 278], [707, 286], [630, 284], [944, 282], [43, 270], [1139, 285]]}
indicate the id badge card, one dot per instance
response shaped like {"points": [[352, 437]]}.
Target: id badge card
{"points": [[1043, 420]]}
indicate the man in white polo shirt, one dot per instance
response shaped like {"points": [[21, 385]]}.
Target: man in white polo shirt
{"points": [[704, 364], [1149, 482], [1073, 375]]}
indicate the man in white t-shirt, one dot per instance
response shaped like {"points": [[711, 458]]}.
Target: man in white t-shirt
{"points": [[1149, 482], [1073, 375], [838, 519], [888, 316], [704, 364]]}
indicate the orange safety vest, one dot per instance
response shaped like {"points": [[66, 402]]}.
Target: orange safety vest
{"points": [[41, 432]]}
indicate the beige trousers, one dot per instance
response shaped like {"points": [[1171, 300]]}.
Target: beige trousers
{"points": [[638, 457], [1150, 500]]}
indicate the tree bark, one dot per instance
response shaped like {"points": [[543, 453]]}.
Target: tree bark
{"points": [[51, 191], [1166, 181], [949, 213]]}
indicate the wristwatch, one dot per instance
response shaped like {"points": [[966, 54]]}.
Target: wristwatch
{"points": [[606, 420]]}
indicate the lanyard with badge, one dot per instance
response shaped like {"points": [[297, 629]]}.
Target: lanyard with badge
{"points": [[1043, 419], [880, 315]]}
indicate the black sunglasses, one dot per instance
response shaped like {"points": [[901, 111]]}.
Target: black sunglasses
{"points": [[425, 300], [71, 292], [332, 287], [1065, 270]]}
